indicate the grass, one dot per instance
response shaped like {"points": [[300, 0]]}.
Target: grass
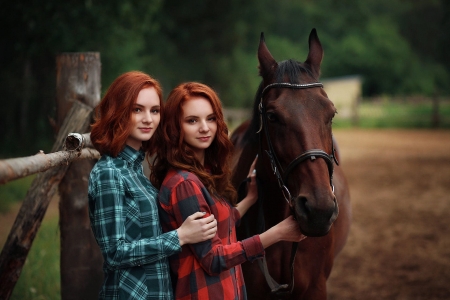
{"points": [[396, 114], [13, 192], [40, 277]]}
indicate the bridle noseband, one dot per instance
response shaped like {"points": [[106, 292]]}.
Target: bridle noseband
{"points": [[311, 154]]}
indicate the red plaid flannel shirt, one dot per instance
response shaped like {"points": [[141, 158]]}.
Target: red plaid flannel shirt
{"points": [[210, 269]]}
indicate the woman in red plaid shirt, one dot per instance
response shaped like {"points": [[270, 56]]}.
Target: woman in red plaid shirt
{"points": [[193, 174]]}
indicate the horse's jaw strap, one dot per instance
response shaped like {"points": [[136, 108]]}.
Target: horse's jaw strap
{"points": [[276, 172]]}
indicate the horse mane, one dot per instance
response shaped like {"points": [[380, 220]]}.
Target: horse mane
{"points": [[287, 71]]}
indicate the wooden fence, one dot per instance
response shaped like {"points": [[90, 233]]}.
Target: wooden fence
{"points": [[78, 92]]}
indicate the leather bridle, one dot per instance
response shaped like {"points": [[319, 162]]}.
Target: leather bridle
{"points": [[284, 290], [312, 154]]}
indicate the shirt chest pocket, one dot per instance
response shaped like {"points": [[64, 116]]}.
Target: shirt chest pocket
{"points": [[141, 216]]}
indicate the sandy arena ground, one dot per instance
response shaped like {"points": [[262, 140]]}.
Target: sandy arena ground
{"points": [[399, 244]]}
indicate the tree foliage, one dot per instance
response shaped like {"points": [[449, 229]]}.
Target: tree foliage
{"points": [[399, 47]]}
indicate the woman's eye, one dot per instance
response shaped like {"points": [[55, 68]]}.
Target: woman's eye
{"points": [[155, 111], [212, 119], [137, 109]]}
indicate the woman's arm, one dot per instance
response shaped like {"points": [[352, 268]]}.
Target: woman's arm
{"points": [[108, 213], [197, 229], [252, 191], [286, 230], [214, 257]]}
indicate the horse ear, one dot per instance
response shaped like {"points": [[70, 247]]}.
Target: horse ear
{"points": [[267, 64], [315, 54]]}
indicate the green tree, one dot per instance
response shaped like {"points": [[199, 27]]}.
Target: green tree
{"points": [[37, 32], [397, 46]]}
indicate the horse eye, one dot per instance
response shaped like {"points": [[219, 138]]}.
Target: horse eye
{"points": [[271, 117]]}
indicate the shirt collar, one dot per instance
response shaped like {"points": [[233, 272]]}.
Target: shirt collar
{"points": [[132, 156]]}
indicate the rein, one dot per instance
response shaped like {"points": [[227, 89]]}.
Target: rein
{"points": [[284, 290]]}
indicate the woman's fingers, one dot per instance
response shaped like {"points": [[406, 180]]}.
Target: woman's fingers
{"points": [[197, 215], [252, 171], [210, 224], [211, 232]]}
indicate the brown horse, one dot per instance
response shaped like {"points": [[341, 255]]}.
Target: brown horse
{"points": [[297, 173]]}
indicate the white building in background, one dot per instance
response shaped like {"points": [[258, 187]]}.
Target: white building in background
{"points": [[345, 92]]}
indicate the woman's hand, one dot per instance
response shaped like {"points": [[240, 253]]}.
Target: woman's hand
{"points": [[289, 230], [286, 230], [196, 228], [252, 190]]}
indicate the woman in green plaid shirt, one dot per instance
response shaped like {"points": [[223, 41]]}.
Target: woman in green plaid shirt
{"points": [[122, 201]]}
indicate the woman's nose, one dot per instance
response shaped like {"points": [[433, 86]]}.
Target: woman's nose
{"points": [[204, 126], [147, 117]]}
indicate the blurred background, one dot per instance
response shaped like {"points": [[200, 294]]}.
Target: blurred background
{"points": [[386, 66], [396, 50]]}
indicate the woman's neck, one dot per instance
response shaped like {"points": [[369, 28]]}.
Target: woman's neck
{"points": [[200, 155]]}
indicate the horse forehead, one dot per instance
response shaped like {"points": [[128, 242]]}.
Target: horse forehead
{"points": [[300, 101]]}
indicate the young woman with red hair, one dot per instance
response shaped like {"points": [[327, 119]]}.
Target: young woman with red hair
{"points": [[122, 201], [192, 172]]}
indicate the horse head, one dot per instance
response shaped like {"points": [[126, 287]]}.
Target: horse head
{"points": [[294, 116]]}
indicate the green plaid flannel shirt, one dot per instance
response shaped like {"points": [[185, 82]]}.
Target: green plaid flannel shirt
{"points": [[125, 222]]}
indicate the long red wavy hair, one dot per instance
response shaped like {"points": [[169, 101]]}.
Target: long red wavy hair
{"points": [[112, 125], [175, 153]]}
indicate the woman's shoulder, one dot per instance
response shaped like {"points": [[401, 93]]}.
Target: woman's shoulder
{"points": [[181, 183], [175, 177], [107, 167], [104, 175], [108, 162]]}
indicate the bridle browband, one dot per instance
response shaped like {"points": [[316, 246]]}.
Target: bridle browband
{"points": [[284, 290], [311, 154]]}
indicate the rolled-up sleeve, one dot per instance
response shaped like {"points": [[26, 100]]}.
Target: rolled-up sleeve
{"points": [[214, 256]]}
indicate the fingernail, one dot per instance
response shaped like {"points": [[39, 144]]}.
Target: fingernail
{"points": [[254, 171], [203, 212]]}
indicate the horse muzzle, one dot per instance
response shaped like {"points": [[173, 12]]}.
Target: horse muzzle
{"points": [[314, 220]]}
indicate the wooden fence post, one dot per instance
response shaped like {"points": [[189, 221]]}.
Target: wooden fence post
{"points": [[78, 77], [35, 205]]}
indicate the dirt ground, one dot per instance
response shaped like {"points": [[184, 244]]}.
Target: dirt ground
{"points": [[399, 244]]}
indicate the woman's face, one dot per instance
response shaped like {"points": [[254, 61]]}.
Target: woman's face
{"points": [[199, 125], [145, 117]]}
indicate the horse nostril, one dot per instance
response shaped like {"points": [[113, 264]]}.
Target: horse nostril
{"points": [[305, 204], [301, 203]]}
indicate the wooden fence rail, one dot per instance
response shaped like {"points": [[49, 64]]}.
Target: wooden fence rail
{"points": [[78, 91], [15, 168]]}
